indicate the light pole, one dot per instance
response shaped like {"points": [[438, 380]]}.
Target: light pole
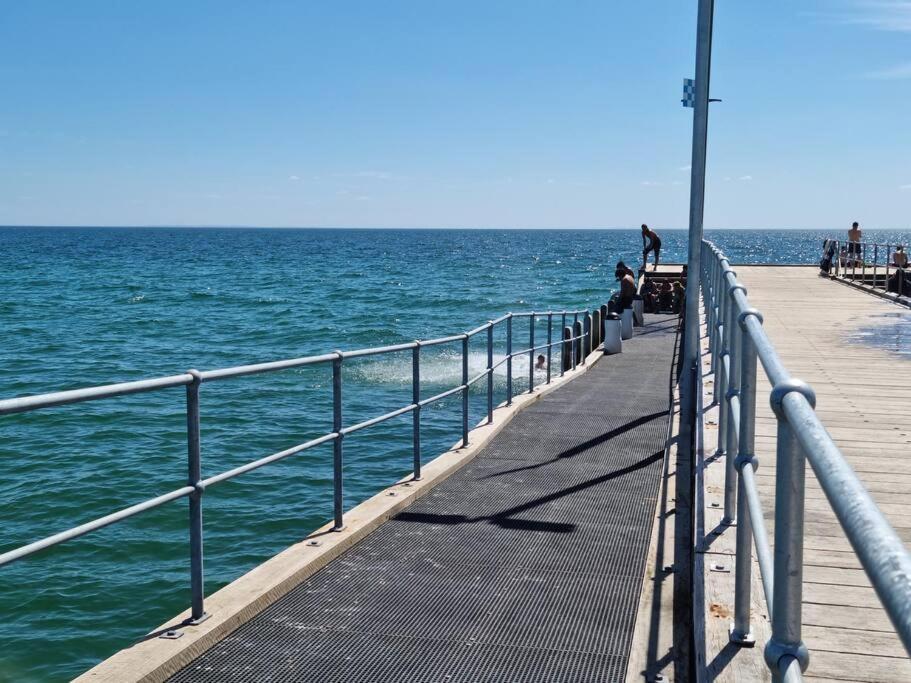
{"points": [[691, 348]]}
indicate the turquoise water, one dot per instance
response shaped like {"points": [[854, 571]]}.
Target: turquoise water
{"points": [[92, 306]]}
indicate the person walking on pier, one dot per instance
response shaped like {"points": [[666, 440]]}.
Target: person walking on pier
{"points": [[653, 244]]}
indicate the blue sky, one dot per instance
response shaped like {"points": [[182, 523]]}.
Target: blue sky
{"points": [[468, 114]]}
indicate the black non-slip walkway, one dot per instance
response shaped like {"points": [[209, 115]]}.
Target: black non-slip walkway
{"points": [[525, 565]]}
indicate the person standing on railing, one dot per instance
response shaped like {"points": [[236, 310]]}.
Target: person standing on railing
{"points": [[854, 236], [653, 244]]}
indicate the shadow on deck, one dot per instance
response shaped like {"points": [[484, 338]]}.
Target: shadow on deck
{"points": [[525, 565]]}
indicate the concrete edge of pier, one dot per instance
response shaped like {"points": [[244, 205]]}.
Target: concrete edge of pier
{"points": [[154, 658], [652, 650]]}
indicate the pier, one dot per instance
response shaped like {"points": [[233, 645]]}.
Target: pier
{"points": [[563, 538]]}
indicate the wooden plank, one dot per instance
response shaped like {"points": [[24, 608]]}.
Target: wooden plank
{"points": [[858, 390]]}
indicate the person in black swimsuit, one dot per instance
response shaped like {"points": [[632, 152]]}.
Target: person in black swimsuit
{"points": [[653, 244]]}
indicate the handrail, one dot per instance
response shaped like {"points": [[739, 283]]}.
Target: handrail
{"points": [[570, 341], [870, 263], [736, 340]]}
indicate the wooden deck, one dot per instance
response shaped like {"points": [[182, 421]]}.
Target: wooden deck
{"points": [[863, 394]]}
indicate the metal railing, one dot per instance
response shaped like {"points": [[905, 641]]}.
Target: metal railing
{"points": [[736, 339], [870, 263], [577, 342]]}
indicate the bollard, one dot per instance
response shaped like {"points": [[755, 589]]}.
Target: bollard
{"points": [[626, 324], [586, 336], [603, 310], [577, 344], [612, 336], [638, 311], [597, 329], [566, 350]]}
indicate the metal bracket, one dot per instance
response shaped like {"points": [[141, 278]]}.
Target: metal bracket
{"points": [[742, 639], [720, 568], [171, 634], [314, 543]]}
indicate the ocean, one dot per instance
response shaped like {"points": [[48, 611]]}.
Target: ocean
{"points": [[88, 306]]}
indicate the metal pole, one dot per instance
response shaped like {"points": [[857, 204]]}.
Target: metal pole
{"points": [[691, 349], [194, 475], [721, 379], [550, 334], [563, 346], [741, 632], [875, 262], [863, 263], [888, 254], [733, 389], [509, 360], [465, 388], [490, 373], [787, 594], [416, 413], [531, 353], [337, 443]]}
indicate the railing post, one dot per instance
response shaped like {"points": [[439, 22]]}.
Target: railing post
{"points": [[888, 254], [531, 353], [721, 384], [732, 329], [509, 359], [786, 648], [194, 475], [566, 350], [741, 631], [490, 373], [416, 413], [563, 356], [875, 263], [337, 483], [550, 334], [465, 389], [719, 330]]}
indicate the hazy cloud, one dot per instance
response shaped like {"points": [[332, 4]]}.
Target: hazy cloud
{"points": [[293, 178], [685, 168], [882, 15], [905, 187], [377, 175], [894, 73], [651, 183], [746, 177]]}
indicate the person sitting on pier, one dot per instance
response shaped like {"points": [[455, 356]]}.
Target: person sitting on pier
{"points": [[679, 296], [899, 257], [541, 364], [625, 268], [854, 236], [665, 297], [650, 297], [627, 290], [654, 244]]}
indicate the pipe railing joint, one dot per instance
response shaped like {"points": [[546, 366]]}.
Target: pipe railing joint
{"points": [[744, 459], [776, 651], [787, 386], [743, 315]]}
